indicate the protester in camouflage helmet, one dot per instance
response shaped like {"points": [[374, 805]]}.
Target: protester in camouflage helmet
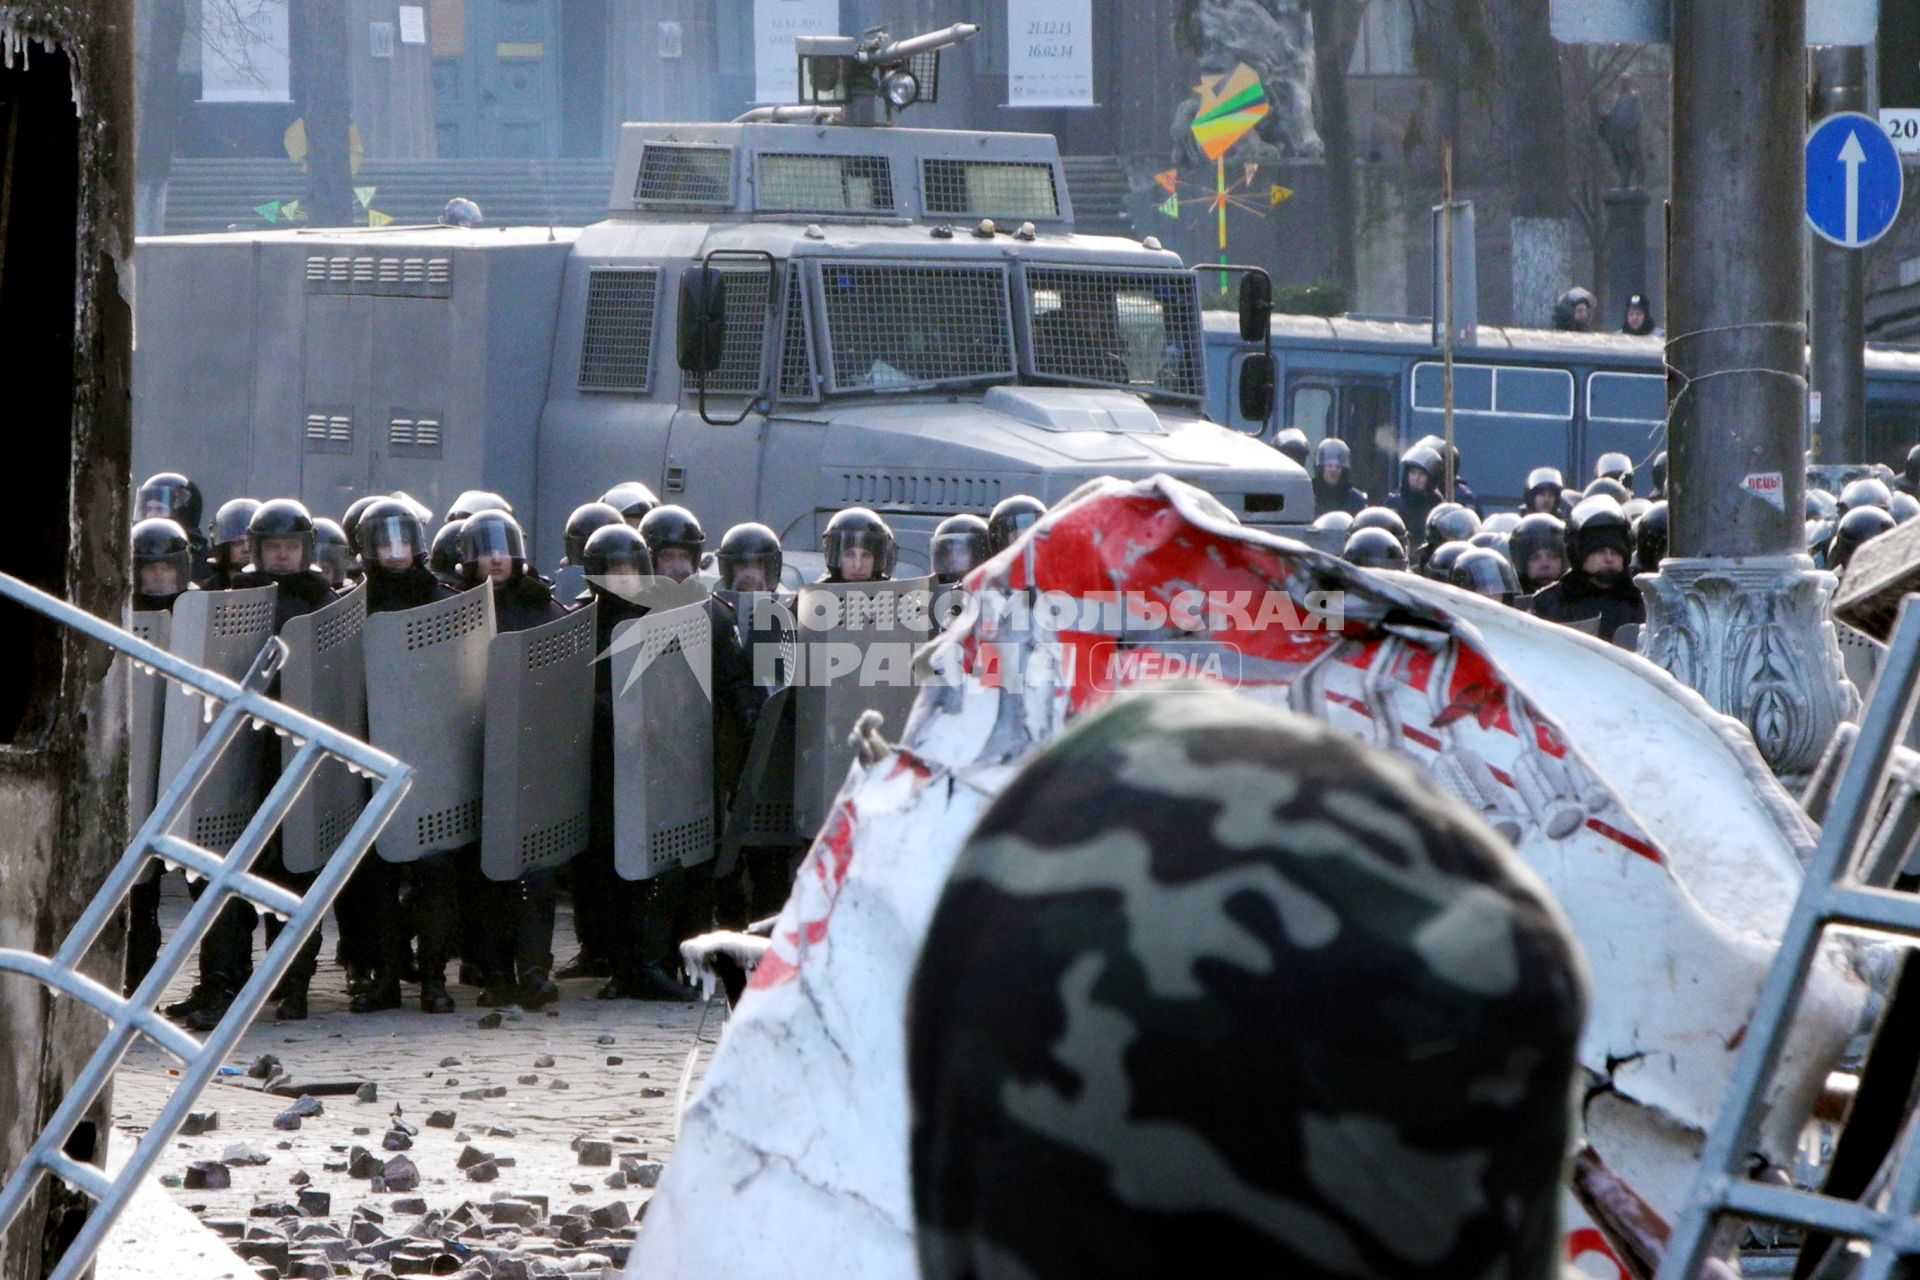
{"points": [[1212, 987]]}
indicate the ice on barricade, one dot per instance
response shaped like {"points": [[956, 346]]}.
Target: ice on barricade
{"points": [[797, 1140]]}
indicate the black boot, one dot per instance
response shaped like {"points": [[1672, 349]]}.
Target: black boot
{"points": [[361, 979], [434, 997], [584, 966], [203, 994], [655, 983], [292, 1006], [537, 990], [207, 1016], [382, 992]]}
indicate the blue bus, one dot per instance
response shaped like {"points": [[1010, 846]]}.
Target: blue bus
{"points": [[1523, 398]]}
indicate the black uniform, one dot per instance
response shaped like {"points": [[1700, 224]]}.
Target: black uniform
{"points": [[1337, 497], [601, 899], [1580, 600]]}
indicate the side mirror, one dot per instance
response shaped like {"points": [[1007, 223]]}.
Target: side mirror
{"points": [[703, 319], [1256, 306], [1257, 384]]}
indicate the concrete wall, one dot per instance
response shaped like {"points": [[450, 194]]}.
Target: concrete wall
{"points": [[63, 766]]}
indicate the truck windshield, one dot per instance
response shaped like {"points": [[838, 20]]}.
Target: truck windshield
{"points": [[1134, 329]]}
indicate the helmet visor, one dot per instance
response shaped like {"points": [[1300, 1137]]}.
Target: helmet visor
{"points": [[166, 500], [492, 540], [392, 540]]}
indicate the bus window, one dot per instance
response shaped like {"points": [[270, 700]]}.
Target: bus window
{"points": [[1893, 427], [1507, 420], [1626, 413], [1310, 408], [1367, 425]]}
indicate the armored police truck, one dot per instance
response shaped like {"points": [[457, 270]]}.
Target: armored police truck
{"points": [[780, 317]]}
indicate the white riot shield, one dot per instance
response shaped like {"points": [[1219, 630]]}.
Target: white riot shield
{"points": [[856, 643], [222, 631], [539, 746], [663, 741], [326, 677], [426, 704]]}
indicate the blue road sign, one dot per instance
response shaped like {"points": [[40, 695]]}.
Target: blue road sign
{"points": [[1854, 182]]}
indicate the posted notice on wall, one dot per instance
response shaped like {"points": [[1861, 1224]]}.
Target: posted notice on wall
{"points": [[1050, 53], [244, 52], [776, 24]]}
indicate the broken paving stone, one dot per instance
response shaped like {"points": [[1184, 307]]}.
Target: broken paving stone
{"points": [[463, 1136], [646, 1175], [206, 1175], [617, 1181], [243, 1154], [513, 1213], [606, 1040], [334, 1166], [611, 1217], [264, 1067], [469, 1157], [274, 1209], [396, 1141], [365, 1232], [528, 1080], [614, 1060], [401, 1174], [275, 1253], [311, 1269], [315, 1204], [558, 1085], [440, 1120], [653, 1093], [283, 1146], [361, 1131], [544, 1061], [580, 1188], [368, 1092], [306, 1106], [286, 1121], [199, 1122], [449, 1062], [409, 1204], [362, 1163], [225, 1228], [485, 1171], [596, 1153], [500, 1131], [300, 1178], [490, 1022]]}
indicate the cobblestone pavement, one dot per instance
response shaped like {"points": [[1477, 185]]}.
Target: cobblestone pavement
{"points": [[599, 1075]]}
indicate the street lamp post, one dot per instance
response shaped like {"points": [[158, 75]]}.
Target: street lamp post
{"points": [[1739, 611]]}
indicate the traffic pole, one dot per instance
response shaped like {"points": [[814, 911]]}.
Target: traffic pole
{"points": [[1839, 288]]}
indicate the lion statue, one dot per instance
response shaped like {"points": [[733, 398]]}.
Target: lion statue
{"points": [[1275, 38]]}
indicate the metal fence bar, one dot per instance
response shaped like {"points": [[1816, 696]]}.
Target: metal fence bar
{"points": [[1830, 895], [227, 877]]}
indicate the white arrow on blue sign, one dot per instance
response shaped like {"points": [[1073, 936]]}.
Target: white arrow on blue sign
{"points": [[1854, 181]]}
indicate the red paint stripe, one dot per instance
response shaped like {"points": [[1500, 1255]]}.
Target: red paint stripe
{"points": [[1631, 843]]}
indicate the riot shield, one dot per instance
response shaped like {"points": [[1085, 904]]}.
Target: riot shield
{"points": [[426, 703], [222, 631], [539, 744], [147, 702], [856, 654], [326, 677], [662, 741], [761, 814]]}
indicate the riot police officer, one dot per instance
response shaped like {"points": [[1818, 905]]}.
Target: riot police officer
{"points": [[1441, 559], [1010, 518], [1909, 479], [960, 545], [1485, 572], [1420, 475], [581, 525], [674, 537], [232, 544], [1381, 518], [1374, 549], [1544, 490], [1450, 522], [393, 544], [1538, 549], [1659, 469], [1595, 593], [1293, 443], [1857, 527], [1607, 487], [1867, 491], [1333, 488], [473, 501], [170, 495], [1617, 467], [517, 951], [859, 546], [333, 556], [163, 563], [632, 500], [350, 518], [750, 559], [1650, 538], [443, 556]]}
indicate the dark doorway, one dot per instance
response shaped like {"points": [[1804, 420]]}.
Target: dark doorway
{"points": [[39, 215]]}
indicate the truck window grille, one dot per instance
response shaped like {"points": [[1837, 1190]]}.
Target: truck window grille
{"points": [[742, 356], [990, 188], [616, 353], [1116, 328], [825, 184], [685, 176], [796, 356], [894, 326]]}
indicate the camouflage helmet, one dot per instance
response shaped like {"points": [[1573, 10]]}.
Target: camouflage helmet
{"points": [[1274, 1005]]}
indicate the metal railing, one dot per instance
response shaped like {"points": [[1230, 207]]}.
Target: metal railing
{"points": [[227, 876]]}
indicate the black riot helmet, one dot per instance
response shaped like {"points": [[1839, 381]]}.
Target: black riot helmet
{"points": [[858, 529], [1293, 443], [1597, 524], [1536, 533], [1486, 573], [1650, 538], [1865, 492], [1422, 457], [1615, 466], [1451, 522], [461, 212], [331, 554], [750, 545], [1501, 522], [231, 545], [1374, 549], [169, 496], [350, 520], [162, 558], [474, 501], [1904, 506], [1860, 525], [616, 561], [1440, 563], [632, 500], [1659, 468], [1341, 522], [1544, 480], [673, 529], [420, 508], [1604, 488], [279, 521], [960, 544], [1381, 518], [391, 531], [1822, 505], [1492, 540], [582, 523], [488, 535], [443, 557], [1913, 464], [1012, 517], [1332, 452]]}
